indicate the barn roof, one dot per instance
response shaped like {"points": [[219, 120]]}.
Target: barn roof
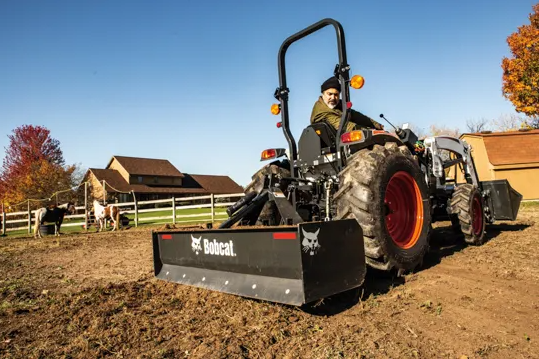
{"points": [[112, 178], [510, 148], [195, 184], [214, 183], [147, 166]]}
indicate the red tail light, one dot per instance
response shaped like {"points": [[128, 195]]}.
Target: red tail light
{"points": [[352, 136]]}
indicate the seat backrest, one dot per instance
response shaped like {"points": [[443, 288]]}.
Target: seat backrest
{"points": [[326, 133]]}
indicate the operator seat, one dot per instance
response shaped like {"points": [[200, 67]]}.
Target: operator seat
{"points": [[326, 133]]}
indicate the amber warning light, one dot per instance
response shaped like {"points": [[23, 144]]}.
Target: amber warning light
{"points": [[357, 82], [267, 154], [275, 109]]}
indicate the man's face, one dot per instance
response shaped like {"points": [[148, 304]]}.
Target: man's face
{"points": [[331, 97]]}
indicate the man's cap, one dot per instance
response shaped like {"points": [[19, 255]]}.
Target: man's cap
{"points": [[331, 83]]}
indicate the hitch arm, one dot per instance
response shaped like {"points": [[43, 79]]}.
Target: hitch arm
{"points": [[255, 205]]}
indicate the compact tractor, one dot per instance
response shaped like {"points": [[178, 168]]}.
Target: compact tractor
{"points": [[330, 205]]}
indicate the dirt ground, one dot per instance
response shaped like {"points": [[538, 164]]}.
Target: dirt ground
{"points": [[94, 295]]}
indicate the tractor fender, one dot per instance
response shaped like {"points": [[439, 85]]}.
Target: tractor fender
{"points": [[372, 139]]}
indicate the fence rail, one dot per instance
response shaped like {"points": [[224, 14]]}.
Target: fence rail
{"points": [[213, 213]]}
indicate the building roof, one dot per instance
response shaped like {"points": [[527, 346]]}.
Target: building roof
{"points": [[147, 166], [216, 184], [510, 148], [192, 184], [112, 178]]}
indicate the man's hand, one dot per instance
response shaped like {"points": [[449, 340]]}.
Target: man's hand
{"points": [[377, 125]]}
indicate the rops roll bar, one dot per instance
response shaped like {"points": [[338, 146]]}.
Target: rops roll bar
{"points": [[341, 71]]}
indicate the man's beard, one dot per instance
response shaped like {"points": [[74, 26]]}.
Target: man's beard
{"points": [[332, 105]]}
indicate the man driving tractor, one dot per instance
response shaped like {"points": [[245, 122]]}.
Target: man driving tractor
{"points": [[328, 108]]}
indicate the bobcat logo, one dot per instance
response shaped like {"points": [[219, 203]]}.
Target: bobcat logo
{"points": [[195, 244], [310, 242]]}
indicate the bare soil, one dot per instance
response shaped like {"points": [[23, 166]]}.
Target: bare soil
{"points": [[94, 295]]}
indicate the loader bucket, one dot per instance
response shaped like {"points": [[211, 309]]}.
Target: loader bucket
{"points": [[504, 200], [285, 264]]}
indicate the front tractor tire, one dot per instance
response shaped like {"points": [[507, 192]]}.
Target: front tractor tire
{"points": [[467, 213], [384, 190]]}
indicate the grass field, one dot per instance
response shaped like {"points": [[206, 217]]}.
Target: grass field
{"points": [[530, 204], [144, 218]]}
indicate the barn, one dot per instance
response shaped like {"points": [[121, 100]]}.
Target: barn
{"points": [[512, 155]]}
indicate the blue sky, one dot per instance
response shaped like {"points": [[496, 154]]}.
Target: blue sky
{"points": [[193, 81]]}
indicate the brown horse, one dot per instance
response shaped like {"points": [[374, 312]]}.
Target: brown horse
{"points": [[102, 213], [55, 215]]}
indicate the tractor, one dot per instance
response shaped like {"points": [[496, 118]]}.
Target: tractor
{"points": [[320, 212]]}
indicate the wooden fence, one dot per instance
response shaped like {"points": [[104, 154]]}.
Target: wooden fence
{"points": [[216, 211]]}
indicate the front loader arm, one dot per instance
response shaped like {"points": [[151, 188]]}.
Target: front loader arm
{"points": [[435, 144]]}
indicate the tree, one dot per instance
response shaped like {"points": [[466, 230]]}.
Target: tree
{"points": [[419, 131], [30, 144], [476, 126], [507, 122], [435, 130], [34, 166], [521, 70]]}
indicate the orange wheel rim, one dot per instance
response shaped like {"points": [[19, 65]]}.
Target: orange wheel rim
{"points": [[404, 210]]}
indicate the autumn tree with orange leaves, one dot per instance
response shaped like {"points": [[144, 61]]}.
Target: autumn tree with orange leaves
{"points": [[521, 70], [33, 167]]}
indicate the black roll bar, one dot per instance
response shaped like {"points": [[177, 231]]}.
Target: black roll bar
{"points": [[341, 71]]}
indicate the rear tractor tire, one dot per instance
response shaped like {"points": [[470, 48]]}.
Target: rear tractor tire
{"points": [[467, 213], [269, 213], [385, 191]]}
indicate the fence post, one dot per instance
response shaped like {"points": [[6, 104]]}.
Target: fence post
{"points": [[29, 219], [104, 194], [173, 210], [136, 208], [212, 208], [86, 206], [3, 221]]}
